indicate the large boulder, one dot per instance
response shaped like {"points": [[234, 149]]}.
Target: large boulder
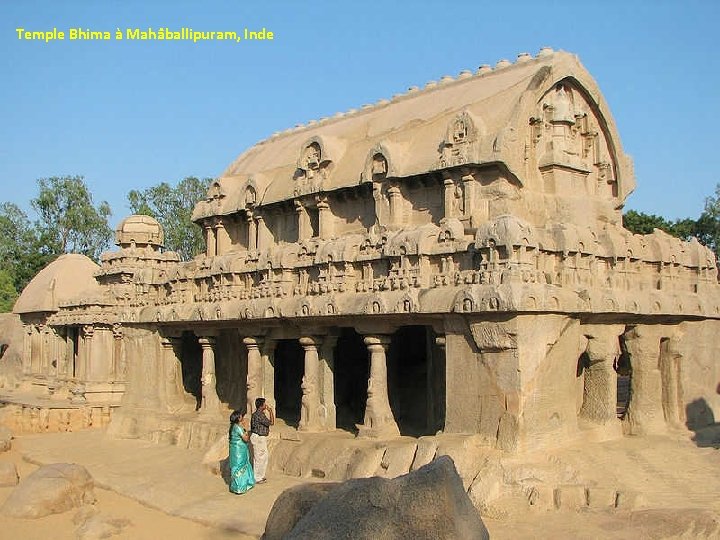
{"points": [[8, 475], [429, 503], [6, 437], [291, 506], [52, 489]]}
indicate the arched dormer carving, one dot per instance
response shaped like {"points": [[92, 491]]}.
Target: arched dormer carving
{"points": [[379, 164], [314, 160], [460, 141], [569, 133], [215, 192]]}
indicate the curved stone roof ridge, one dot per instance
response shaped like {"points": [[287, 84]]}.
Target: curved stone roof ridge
{"points": [[484, 69]]}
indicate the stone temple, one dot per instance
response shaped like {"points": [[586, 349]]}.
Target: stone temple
{"points": [[449, 264]]}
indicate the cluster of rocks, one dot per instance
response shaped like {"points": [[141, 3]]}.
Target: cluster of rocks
{"points": [[55, 489]]}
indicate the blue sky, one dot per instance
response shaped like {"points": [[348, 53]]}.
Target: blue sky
{"points": [[130, 114]]}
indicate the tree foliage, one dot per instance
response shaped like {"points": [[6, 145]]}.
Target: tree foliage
{"points": [[172, 207], [21, 254], [69, 221]]}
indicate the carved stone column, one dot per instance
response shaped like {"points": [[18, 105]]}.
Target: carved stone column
{"points": [[379, 420], [325, 223], [303, 222], [27, 351], [85, 352], [254, 372], [644, 413], [268, 371], [252, 232], [264, 236], [46, 350], [395, 198], [70, 353], [117, 368], [449, 197], [600, 389], [35, 350], [327, 382], [56, 356], [310, 405], [210, 241], [173, 395], [222, 238], [210, 403], [671, 360]]}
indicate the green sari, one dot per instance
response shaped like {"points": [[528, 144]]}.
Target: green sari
{"points": [[242, 477]]}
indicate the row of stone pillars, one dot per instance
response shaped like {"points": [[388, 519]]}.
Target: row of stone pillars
{"points": [[656, 384], [317, 407]]}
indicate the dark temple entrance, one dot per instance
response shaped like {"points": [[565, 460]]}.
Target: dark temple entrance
{"points": [[352, 371], [415, 383], [623, 368], [289, 370], [191, 364]]}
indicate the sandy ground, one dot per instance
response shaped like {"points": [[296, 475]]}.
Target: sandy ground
{"points": [[677, 481], [144, 523]]}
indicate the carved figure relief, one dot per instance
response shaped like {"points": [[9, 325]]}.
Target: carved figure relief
{"points": [[459, 143], [566, 133], [312, 168]]}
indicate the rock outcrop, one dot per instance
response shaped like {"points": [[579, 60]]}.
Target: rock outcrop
{"points": [[5, 439], [8, 475], [52, 489], [428, 503]]}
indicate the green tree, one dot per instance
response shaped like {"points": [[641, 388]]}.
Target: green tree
{"points": [[641, 223], [8, 293], [172, 207], [20, 253], [69, 221], [707, 227]]}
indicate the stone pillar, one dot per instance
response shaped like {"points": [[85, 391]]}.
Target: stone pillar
{"points": [[327, 382], [210, 404], [46, 350], [645, 413], [449, 197], [254, 372], [35, 350], [27, 350], [56, 356], [600, 388], [671, 376], [210, 241], [173, 396], [379, 420], [395, 198], [303, 222], [252, 240], [268, 372], [70, 353], [85, 352], [264, 236], [222, 238], [325, 223], [310, 405], [117, 371]]}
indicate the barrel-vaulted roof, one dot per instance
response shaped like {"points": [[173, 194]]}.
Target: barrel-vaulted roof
{"points": [[410, 132], [66, 278]]}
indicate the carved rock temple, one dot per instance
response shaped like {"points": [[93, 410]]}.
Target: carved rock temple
{"points": [[447, 265]]}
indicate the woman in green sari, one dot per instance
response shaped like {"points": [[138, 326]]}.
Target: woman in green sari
{"points": [[242, 477]]}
